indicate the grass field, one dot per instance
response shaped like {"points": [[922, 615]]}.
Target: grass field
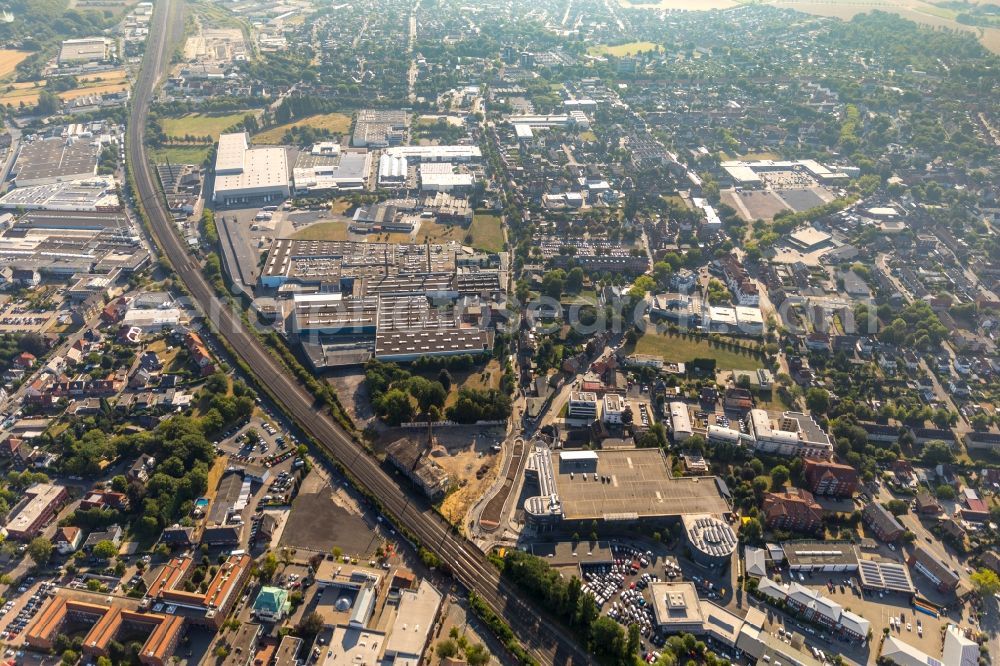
{"points": [[9, 60], [621, 50], [766, 155], [331, 231], [201, 124], [686, 349], [181, 154], [487, 233], [334, 122]]}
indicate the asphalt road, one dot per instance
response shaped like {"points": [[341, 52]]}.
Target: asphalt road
{"points": [[546, 641]]}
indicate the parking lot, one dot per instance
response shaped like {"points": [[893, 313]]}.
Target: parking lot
{"points": [[16, 614], [621, 589]]}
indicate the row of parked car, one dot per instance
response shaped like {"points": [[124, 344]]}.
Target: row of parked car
{"points": [[26, 614]]}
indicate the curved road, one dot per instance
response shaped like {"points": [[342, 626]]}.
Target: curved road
{"points": [[545, 641]]}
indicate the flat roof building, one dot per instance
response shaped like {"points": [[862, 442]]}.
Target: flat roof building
{"points": [[885, 577], [616, 486], [355, 646], [93, 194], [795, 434], [341, 170], [680, 421], [582, 405], [42, 502], [415, 617], [676, 608], [84, 50], [456, 153], [712, 541], [820, 556], [55, 160], [244, 174]]}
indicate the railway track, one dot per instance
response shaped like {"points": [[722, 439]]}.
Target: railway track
{"points": [[544, 640]]}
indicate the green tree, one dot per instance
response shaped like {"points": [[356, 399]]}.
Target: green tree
{"points": [[446, 648], [818, 400], [40, 550], [937, 452], [944, 492], [779, 477], [985, 582], [105, 549], [553, 283]]}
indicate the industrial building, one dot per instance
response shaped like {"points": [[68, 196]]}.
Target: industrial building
{"points": [[398, 302], [244, 174], [392, 171], [614, 486], [379, 128], [326, 167], [444, 177], [712, 541], [84, 50], [449, 153], [55, 160], [94, 194], [39, 507]]}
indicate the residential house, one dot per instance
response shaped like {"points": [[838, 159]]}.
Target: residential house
{"points": [[67, 539], [883, 523], [829, 478], [795, 509], [933, 568]]}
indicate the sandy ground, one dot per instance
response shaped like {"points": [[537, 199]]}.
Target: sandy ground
{"points": [[469, 453]]}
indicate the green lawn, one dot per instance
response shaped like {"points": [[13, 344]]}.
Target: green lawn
{"points": [[686, 349], [181, 154], [486, 232], [201, 124]]}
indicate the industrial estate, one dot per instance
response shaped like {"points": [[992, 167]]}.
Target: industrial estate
{"points": [[398, 333]]}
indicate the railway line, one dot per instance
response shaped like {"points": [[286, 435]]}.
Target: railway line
{"points": [[544, 640]]}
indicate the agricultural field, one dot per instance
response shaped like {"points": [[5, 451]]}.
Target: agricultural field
{"points": [[919, 11], [685, 5], [335, 122], [684, 349], [27, 92], [622, 50], [10, 59], [201, 124]]}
